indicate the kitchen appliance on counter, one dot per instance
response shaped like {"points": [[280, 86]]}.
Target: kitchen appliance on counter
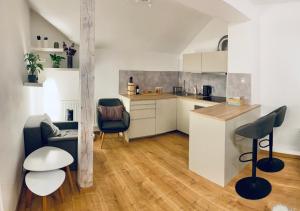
{"points": [[207, 90], [177, 90]]}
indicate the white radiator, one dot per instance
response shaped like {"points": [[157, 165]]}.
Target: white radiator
{"points": [[70, 105]]}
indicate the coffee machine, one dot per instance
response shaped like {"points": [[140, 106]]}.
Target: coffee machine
{"points": [[207, 90]]}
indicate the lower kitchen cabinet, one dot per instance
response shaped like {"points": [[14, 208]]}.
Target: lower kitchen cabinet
{"points": [[165, 115], [142, 128], [183, 109]]}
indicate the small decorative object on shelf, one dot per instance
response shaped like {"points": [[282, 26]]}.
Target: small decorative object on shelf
{"points": [[137, 90], [45, 44], [223, 43], [70, 51], [33, 66], [56, 60], [38, 41], [56, 45]]}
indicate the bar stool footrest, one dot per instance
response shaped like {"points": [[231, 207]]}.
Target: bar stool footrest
{"points": [[263, 146], [241, 156], [253, 188], [270, 164]]}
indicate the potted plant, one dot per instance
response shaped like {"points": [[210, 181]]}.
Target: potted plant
{"points": [[33, 66], [70, 51], [56, 60]]}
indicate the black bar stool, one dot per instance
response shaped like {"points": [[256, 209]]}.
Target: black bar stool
{"points": [[255, 187], [272, 164]]}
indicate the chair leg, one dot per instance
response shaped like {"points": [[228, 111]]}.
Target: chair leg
{"points": [[253, 187], [270, 164], [123, 137], [102, 139]]}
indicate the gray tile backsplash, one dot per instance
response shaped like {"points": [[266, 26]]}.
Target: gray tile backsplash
{"points": [[239, 84], [167, 79], [148, 80], [217, 81], [232, 85]]}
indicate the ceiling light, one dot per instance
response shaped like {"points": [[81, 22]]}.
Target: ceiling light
{"points": [[148, 2]]}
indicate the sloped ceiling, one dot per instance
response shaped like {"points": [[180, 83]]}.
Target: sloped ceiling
{"points": [[272, 1], [167, 26]]}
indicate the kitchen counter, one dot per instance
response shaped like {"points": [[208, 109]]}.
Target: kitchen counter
{"points": [[154, 96], [224, 111], [214, 149]]}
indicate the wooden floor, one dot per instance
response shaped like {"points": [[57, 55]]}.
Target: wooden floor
{"points": [[152, 174]]}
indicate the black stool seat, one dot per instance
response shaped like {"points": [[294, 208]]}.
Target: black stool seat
{"points": [[272, 164], [255, 187]]}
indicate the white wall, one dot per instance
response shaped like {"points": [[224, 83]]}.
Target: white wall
{"points": [[40, 26], [14, 98], [207, 39], [243, 52], [109, 62], [58, 85], [280, 70]]}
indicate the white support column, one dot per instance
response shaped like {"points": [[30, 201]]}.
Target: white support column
{"points": [[87, 86]]}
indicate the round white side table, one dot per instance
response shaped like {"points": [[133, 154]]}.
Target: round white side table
{"points": [[49, 158], [44, 183]]}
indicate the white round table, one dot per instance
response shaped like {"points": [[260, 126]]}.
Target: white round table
{"points": [[49, 158], [45, 183]]}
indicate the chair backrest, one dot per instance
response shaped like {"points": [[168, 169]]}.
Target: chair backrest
{"points": [[264, 125], [110, 102], [259, 128], [280, 115], [32, 134]]}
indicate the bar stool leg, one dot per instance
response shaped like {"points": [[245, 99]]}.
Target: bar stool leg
{"points": [[253, 187], [270, 164]]}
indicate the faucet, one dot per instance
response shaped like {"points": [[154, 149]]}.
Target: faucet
{"points": [[195, 90]]}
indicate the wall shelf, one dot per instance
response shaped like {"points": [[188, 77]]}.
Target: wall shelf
{"points": [[54, 50], [38, 84], [62, 69]]}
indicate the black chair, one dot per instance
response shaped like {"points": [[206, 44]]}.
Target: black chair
{"points": [[107, 126], [255, 187], [272, 164]]}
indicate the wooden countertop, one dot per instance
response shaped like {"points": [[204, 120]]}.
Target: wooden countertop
{"points": [[224, 111], [153, 96]]}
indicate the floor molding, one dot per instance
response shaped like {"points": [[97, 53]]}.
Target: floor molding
{"points": [[280, 154]]}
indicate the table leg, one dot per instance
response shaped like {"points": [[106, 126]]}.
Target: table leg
{"points": [[70, 178], [28, 198], [102, 139], [61, 194], [44, 198]]}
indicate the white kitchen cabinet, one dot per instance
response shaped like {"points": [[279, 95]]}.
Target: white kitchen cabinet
{"points": [[183, 109], [192, 62], [184, 106], [142, 127], [165, 115], [214, 62]]}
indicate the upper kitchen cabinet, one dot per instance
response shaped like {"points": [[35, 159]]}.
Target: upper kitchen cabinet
{"points": [[205, 62], [192, 62], [214, 62]]}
